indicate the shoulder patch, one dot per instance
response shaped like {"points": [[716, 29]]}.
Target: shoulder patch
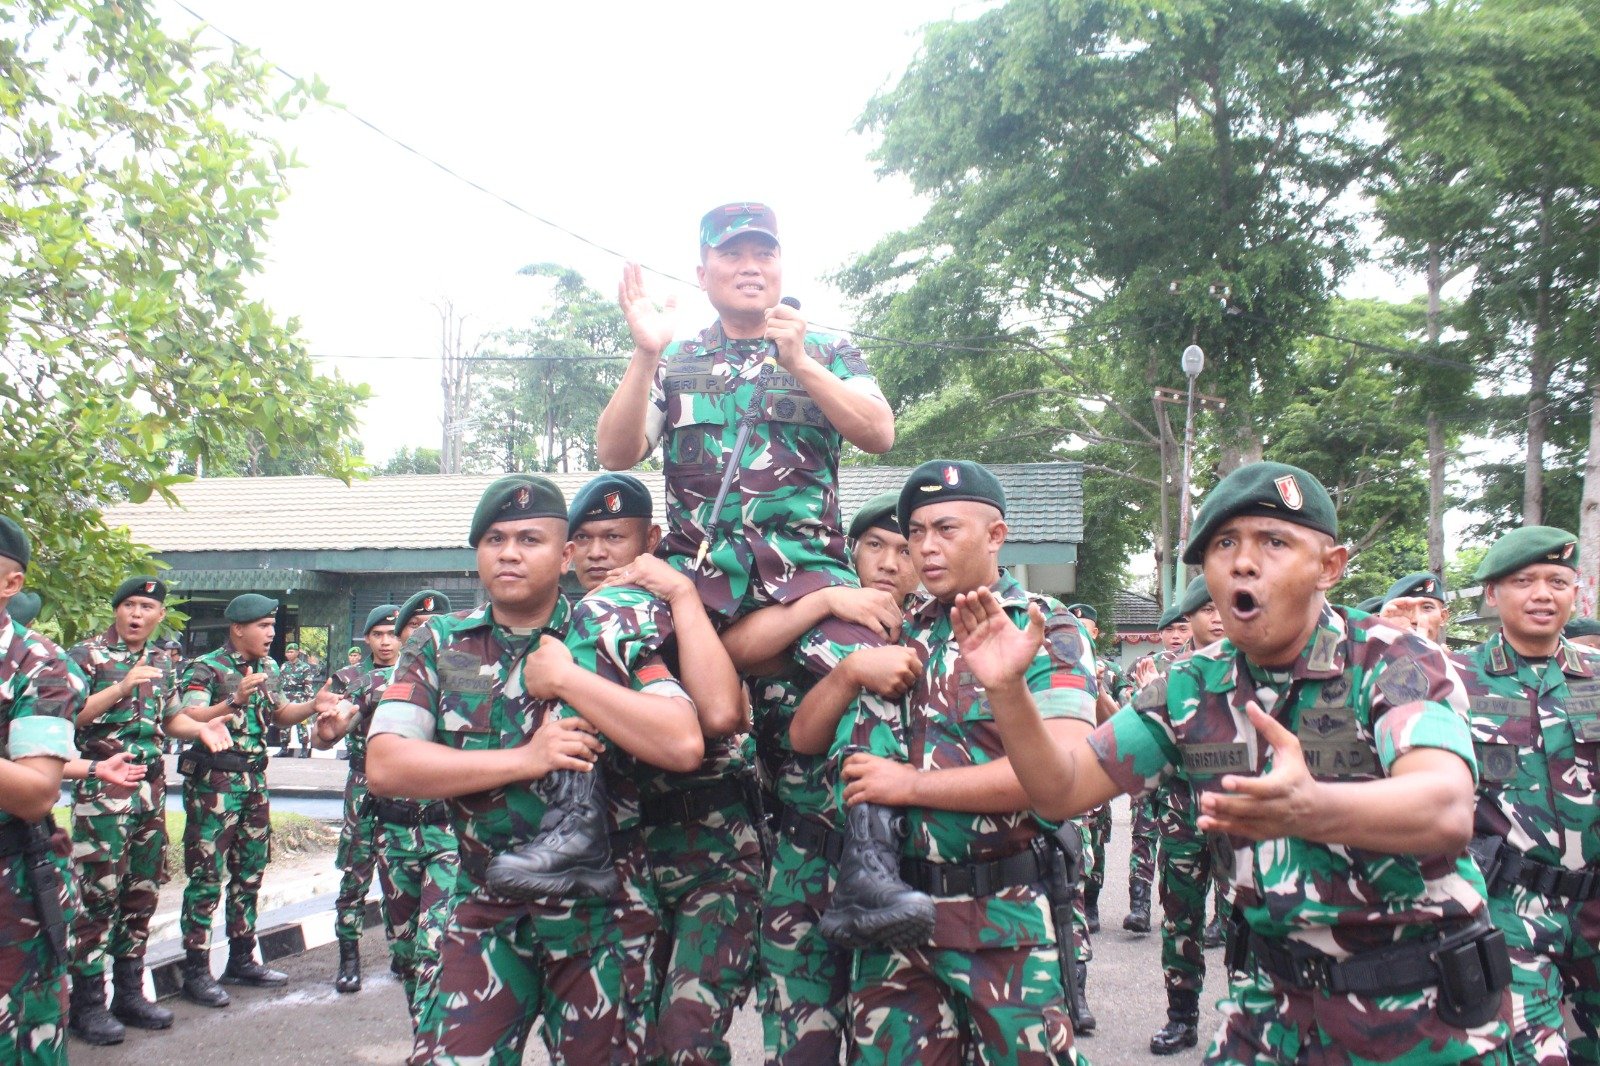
{"points": [[1404, 682]]}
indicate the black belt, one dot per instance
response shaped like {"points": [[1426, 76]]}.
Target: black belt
{"points": [[232, 762], [1407, 966], [810, 836], [691, 804], [1027, 867], [409, 812], [14, 838], [358, 763], [1504, 866]]}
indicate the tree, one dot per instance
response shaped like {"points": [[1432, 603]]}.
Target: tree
{"points": [[135, 189], [411, 461]]}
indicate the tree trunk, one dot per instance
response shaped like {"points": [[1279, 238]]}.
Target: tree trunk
{"points": [[1436, 443], [1589, 511], [1539, 371]]}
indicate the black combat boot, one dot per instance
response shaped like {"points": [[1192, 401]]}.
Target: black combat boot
{"points": [[1183, 1021], [871, 906], [89, 1020], [1138, 919], [1083, 1022], [349, 979], [570, 854], [1091, 905], [243, 969], [1213, 933], [128, 1002], [198, 984]]}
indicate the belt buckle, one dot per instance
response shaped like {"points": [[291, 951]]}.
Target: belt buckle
{"points": [[1314, 971], [983, 879], [1547, 881]]}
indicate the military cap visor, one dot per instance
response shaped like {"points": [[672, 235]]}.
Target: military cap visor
{"points": [[609, 496], [1195, 596], [151, 588], [721, 224], [427, 602], [1083, 611], [250, 607], [1421, 585], [1528, 546], [1272, 490], [14, 543], [877, 513], [945, 481], [513, 498]]}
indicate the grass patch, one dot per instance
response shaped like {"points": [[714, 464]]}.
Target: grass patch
{"points": [[292, 835]]}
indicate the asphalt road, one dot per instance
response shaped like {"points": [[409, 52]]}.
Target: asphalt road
{"points": [[309, 1023]]}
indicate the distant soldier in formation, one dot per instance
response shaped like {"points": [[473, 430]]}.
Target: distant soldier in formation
{"points": [[299, 681], [1417, 603], [1535, 705], [1114, 688], [1173, 629]]}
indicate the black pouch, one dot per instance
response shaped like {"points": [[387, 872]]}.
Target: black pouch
{"points": [[1472, 979], [191, 762]]}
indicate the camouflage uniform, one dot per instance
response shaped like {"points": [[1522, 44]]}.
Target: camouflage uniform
{"points": [[38, 699], [355, 856], [1098, 821], [298, 680], [228, 820], [581, 965], [1360, 696], [1537, 733], [1185, 882], [1144, 807], [988, 984], [119, 845]]}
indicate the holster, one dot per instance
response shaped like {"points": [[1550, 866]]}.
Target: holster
{"points": [[45, 884], [1063, 870]]}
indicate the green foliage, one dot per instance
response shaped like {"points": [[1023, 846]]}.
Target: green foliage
{"points": [[417, 460], [137, 187]]}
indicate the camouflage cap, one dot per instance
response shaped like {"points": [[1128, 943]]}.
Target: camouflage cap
{"points": [[14, 542], [151, 588], [1195, 596], [1273, 490], [383, 615], [428, 601], [513, 497], [721, 224], [1083, 611], [610, 496], [250, 607], [1170, 617], [1421, 585], [877, 513], [1578, 627], [943, 480], [25, 607], [1525, 547]]}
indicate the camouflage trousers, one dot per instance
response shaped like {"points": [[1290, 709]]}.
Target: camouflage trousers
{"points": [[802, 979], [355, 856], [120, 851], [1264, 1022], [708, 878], [33, 982], [1003, 1006], [1142, 857], [496, 978], [229, 830], [1554, 948], [1094, 859], [1185, 882], [417, 869]]}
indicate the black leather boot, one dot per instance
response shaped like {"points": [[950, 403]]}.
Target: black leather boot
{"points": [[570, 855], [871, 905], [128, 1002], [1083, 1023], [1091, 905], [349, 979], [1138, 919], [1213, 933], [198, 984], [243, 969], [1183, 1023], [89, 1020]]}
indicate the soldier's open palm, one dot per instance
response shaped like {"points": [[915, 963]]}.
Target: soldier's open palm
{"points": [[650, 324], [993, 648]]}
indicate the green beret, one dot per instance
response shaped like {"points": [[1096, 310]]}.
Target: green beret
{"points": [[943, 480], [1371, 605], [14, 542], [1273, 490], [428, 601], [250, 607], [610, 496], [383, 615], [1195, 596], [1170, 617], [291, 646], [151, 588], [1083, 611], [1578, 627], [24, 607], [877, 513], [1525, 547], [1421, 584], [513, 497]]}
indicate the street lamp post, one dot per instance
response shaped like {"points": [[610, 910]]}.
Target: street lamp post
{"points": [[1193, 361]]}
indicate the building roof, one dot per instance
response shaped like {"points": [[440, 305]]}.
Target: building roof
{"points": [[421, 511], [1133, 610]]}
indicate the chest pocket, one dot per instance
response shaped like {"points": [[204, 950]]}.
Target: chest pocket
{"points": [[1502, 727], [696, 396], [972, 703], [1583, 711], [1333, 743], [466, 700]]}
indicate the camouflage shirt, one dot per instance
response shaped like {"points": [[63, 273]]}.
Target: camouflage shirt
{"points": [[780, 537], [948, 725], [40, 693], [1537, 735], [1361, 695], [133, 723], [214, 677], [364, 688], [298, 680]]}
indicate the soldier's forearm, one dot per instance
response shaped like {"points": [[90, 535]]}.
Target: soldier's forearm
{"points": [[422, 770], [862, 419], [661, 730], [294, 713], [30, 787], [99, 703], [816, 720], [707, 672], [1051, 761], [762, 636], [620, 440], [1424, 807]]}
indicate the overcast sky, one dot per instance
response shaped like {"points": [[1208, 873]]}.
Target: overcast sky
{"points": [[622, 122]]}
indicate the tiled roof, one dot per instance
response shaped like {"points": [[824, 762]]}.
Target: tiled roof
{"points": [[1044, 504], [1132, 609]]}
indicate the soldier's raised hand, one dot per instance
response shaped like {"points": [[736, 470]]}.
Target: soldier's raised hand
{"points": [[993, 648], [649, 322], [1272, 805], [326, 700]]}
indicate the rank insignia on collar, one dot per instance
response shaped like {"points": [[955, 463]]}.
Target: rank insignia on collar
{"points": [[1289, 492], [952, 475]]}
